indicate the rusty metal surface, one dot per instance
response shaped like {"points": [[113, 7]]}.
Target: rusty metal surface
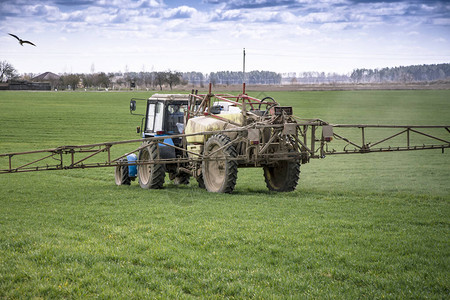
{"points": [[278, 146], [437, 137]]}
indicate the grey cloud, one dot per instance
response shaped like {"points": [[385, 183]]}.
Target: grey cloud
{"points": [[412, 11], [76, 3], [120, 17], [252, 4], [428, 9], [344, 14], [393, 1]]}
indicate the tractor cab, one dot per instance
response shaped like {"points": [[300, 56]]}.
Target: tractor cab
{"points": [[164, 114]]}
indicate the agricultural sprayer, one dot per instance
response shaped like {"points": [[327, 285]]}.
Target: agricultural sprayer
{"points": [[210, 136]]}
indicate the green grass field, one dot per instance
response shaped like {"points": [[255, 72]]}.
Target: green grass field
{"points": [[358, 226]]}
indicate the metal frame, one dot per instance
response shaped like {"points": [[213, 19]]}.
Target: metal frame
{"points": [[405, 131], [305, 144]]}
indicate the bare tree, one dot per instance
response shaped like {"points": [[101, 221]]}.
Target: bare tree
{"points": [[173, 78], [88, 80], [71, 80], [160, 79], [103, 80], [7, 71]]}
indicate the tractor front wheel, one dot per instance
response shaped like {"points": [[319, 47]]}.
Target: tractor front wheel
{"points": [[151, 176], [282, 176], [121, 174], [218, 171]]}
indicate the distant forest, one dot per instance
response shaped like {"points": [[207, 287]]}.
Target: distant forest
{"points": [[170, 79], [402, 74], [159, 80], [230, 77], [417, 73]]}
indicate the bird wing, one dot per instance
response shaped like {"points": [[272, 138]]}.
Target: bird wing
{"points": [[14, 36], [28, 42]]}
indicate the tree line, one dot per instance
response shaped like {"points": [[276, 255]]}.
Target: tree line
{"points": [[415, 73], [129, 80], [231, 78], [158, 80], [252, 77], [154, 80], [315, 78]]}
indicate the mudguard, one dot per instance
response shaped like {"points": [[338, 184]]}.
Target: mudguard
{"points": [[166, 151]]}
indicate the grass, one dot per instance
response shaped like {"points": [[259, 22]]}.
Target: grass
{"points": [[358, 226]]}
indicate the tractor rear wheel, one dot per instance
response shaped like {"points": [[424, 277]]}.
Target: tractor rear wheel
{"points": [[283, 176], [151, 176], [218, 172], [121, 174]]}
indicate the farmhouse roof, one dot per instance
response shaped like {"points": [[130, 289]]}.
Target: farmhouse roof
{"points": [[47, 76]]}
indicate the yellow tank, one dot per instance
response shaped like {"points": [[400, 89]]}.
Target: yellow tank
{"points": [[201, 124]]}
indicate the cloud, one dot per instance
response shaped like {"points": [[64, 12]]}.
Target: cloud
{"points": [[227, 15], [75, 3], [151, 4], [323, 17], [279, 24], [181, 12], [340, 26], [252, 4], [441, 21], [302, 31], [325, 13]]}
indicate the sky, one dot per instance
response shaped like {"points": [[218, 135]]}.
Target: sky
{"points": [[85, 36]]}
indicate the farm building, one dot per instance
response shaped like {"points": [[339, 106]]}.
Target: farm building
{"points": [[47, 77]]}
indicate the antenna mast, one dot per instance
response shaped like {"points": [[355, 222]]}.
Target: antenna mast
{"points": [[243, 77]]}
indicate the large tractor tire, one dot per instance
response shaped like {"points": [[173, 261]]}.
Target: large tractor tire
{"points": [[283, 176], [121, 175], [219, 174], [151, 176]]}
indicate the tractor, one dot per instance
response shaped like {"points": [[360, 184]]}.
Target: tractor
{"points": [[210, 136]]}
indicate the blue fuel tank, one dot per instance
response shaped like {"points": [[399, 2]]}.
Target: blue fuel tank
{"points": [[132, 169]]}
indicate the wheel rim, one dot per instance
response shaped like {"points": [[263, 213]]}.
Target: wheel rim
{"points": [[216, 169], [118, 175], [144, 170]]}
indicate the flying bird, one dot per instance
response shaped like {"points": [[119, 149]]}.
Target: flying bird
{"points": [[21, 41]]}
